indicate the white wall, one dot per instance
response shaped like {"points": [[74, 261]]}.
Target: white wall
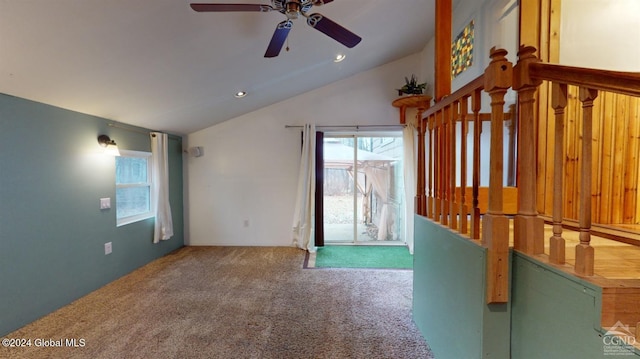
{"points": [[495, 24], [250, 165], [600, 34]]}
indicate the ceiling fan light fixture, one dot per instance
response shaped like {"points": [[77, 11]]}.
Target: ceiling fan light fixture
{"points": [[240, 94], [339, 57], [293, 9]]}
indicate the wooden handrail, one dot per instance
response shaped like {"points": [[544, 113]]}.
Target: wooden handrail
{"points": [[627, 83], [447, 203], [467, 89], [529, 74], [441, 204], [450, 205]]}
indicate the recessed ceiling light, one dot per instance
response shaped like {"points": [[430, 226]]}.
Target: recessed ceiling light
{"points": [[339, 57], [240, 94]]}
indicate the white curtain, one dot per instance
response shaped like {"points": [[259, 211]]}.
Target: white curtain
{"points": [[305, 201], [410, 175], [160, 187]]}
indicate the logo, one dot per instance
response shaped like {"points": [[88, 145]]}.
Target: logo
{"points": [[618, 340]]}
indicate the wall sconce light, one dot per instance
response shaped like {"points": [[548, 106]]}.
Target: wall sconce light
{"points": [[110, 147]]}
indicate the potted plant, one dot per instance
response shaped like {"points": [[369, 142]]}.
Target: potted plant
{"points": [[412, 87]]}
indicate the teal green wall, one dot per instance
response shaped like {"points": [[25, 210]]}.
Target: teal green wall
{"points": [[52, 232], [449, 296], [551, 314], [555, 315]]}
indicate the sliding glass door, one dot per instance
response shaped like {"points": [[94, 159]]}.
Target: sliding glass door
{"points": [[363, 189]]}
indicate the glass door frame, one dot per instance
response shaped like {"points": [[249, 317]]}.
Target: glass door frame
{"points": [[356, 136]]}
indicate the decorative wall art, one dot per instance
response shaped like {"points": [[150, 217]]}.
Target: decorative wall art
{"points": [[462, 51]]}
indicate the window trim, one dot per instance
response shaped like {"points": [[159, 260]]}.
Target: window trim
{"points": [[141, 216]]}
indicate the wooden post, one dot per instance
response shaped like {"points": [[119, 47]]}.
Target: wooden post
{"points": [[442, 58], [584, 251], [464, 130], [495, 225], [528, 227], [476, 105], [556, 242]]}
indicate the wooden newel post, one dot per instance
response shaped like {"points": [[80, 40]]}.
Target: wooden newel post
{"points": [[495, 225], [528, 227]]}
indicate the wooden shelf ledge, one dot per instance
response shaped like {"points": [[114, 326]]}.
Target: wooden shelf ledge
{"points": [[421, 102]]}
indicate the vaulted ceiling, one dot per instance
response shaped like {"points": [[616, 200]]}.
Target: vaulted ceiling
{"points": [[160, 65]]}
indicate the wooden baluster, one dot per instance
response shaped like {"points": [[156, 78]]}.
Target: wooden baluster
{"points": [[511, 161], [476, 105], [445, 166], [453, 208], [437, 168], [464, 130], [584, 251], [528, 227], [556, 242], [420, 185], [440, 152], [495, 225], [430, 180]]}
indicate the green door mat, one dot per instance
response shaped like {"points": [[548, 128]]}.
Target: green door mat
{"points": [[394, 257]]}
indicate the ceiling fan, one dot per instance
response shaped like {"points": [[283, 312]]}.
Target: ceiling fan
{"points": [[291, 9]]}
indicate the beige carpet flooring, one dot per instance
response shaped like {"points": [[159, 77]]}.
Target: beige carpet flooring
{"points": [[235, 302]]}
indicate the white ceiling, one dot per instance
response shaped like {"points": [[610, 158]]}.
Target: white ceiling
{"points": [[160, 65]]}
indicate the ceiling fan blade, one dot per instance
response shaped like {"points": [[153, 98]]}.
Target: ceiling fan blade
{"points": [[278, 38], [231, 7], [333, 30]]}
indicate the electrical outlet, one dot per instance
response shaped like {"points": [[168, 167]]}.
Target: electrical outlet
{"points": [[107, 248]]}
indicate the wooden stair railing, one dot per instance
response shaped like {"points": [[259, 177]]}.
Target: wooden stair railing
{"points": [[528, 75], [441, 141], [446, 199]]}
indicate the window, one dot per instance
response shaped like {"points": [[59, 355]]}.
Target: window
{"points": [[133, 187]]}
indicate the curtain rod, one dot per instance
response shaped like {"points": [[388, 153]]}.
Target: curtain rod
{"points": [[138, 130], [347, 126]]}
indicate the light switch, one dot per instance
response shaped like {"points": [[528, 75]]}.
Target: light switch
{"points": [[105, 203]]}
